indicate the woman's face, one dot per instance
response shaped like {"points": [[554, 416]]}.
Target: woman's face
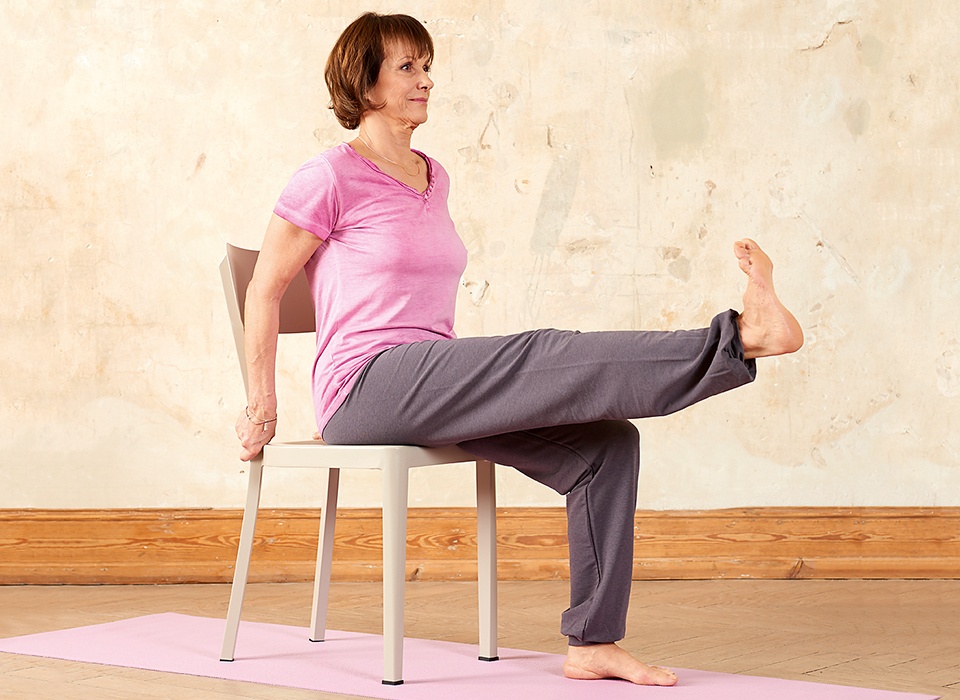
{"points": [[403, 87]]}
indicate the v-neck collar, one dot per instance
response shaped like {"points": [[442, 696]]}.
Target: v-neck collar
{"points": [[431, 175]]}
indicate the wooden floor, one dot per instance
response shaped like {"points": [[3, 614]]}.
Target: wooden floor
{"points": [[897, 635]]}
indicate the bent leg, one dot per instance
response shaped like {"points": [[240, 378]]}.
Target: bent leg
{"points": [[596, 465]]}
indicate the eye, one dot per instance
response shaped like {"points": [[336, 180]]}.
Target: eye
{"points": [[427, 68]]}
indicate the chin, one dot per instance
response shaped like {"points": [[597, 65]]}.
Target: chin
{"points": [[414, 122]]}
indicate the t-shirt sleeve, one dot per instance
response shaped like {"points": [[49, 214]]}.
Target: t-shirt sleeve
{"points": [[310, 199]]}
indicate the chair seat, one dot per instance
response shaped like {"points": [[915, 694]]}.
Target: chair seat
{"points": [[312, 454]]}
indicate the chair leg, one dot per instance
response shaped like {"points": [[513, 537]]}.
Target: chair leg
{"points": [[395, 483], [487, 558], [321, 581], [243, 559]]}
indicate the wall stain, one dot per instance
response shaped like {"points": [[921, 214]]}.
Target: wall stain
{"points": [[872, 51], [482, 141], [857, 117], [201, 159], [559, 190], [678, 113], [27, 195], [669, 253], [948, 370], [680, 268], [581, 246]]}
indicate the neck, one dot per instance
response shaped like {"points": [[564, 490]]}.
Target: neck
{"points": [[392, 141]]}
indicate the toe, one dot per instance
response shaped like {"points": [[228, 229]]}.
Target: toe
{"points": [[663, 676]]}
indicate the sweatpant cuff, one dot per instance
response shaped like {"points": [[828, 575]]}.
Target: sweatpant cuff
{"points": [[731, 344], [577, 642]]}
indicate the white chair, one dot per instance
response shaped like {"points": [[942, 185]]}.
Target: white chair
{"points": [[395, 461]]}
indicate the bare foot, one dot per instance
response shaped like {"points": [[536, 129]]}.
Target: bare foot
{"points": [[766, 327], [610, 661]]}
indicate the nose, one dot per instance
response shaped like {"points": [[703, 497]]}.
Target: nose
{"points": [[425, 82]]}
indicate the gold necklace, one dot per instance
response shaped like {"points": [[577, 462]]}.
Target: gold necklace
{"points": [[380, 155]]}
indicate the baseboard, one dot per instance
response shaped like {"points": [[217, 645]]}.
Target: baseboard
{"points": [[189, 546]]}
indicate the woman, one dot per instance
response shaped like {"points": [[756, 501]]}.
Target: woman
{"points": [[368, 220]]}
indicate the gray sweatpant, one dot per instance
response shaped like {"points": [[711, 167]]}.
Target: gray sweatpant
{"points": [[554, 405]]}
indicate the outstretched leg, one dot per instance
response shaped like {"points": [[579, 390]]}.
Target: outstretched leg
{"points": [[767, 328], [442, 392]]}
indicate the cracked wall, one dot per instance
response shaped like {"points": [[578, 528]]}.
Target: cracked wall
{"points": [[603, 160]]}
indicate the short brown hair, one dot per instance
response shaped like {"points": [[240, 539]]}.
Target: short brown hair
{"points": [[354, 64]]}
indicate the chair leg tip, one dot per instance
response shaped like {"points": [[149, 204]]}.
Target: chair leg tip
{"points": [[316, 641], [489, 658], [400, 682], [226, 661]]}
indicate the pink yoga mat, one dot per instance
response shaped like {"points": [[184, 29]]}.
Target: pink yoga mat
{"points": [[351, 663]]}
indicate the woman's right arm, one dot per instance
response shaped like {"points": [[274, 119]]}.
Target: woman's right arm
{"points": [[286, 249]]}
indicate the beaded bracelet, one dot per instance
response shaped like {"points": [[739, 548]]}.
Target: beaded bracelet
{"points": [[253, 419]]}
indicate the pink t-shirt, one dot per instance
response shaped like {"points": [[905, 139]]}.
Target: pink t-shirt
{"points": [[387, 271]]}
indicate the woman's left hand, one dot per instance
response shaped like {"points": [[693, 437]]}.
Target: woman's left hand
{"points": [[253, 436]]}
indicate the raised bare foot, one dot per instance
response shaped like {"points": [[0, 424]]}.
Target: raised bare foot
{"points": [[766, 327], [610, 661]]}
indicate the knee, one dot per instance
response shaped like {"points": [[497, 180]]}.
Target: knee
{"points": [[621, 441], [623, 434]]}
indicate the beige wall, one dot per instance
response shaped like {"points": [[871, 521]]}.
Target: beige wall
{"points": [[604, 157]]}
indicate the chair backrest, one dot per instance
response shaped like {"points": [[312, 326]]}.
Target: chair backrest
{"points": [[296, 307]]}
